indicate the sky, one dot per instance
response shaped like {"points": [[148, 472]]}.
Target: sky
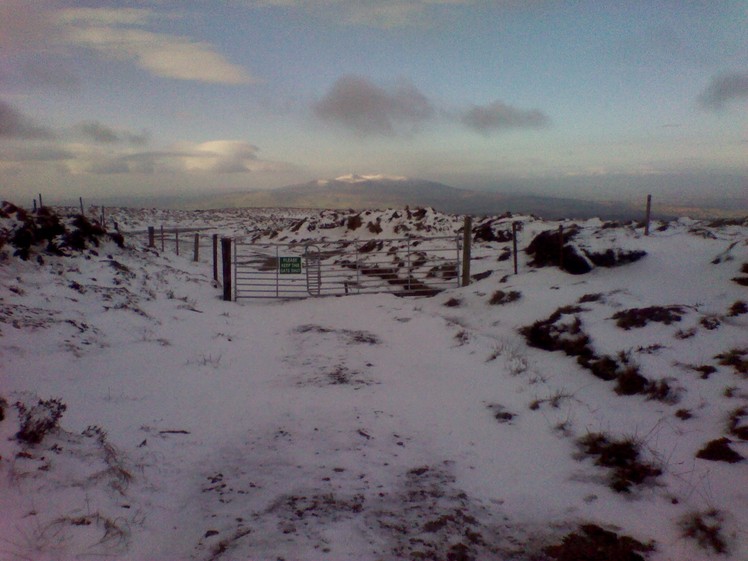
{"points": [[594, 99]]}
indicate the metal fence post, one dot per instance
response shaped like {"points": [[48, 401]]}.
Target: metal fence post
{"points": [[646, 218], [410, 271], [215, 257], [467, 237], [514, 245], [226, 256]]}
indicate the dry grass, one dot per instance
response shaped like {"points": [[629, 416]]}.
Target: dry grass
{"points": [[622, 457]]}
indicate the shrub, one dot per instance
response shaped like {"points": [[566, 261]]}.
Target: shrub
{"points": [[39, 420], [596, 297], [630, 382], [453, 303], [738, 309], [710, 322], [736, 359], [592, 543], [551, 335], [354, 222], [545, 249], [500, 297], [719, 451], [706, 529], [611, 258], [622, 457], [639, 317]]}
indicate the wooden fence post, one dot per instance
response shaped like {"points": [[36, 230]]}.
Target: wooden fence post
{"points": [[215, 257], [81, 201], [197, 247], [514, 245], [176, 237], [163, 245], [41, 204], [561, 246], [151, 236], [226, 257], [646, 218], [34, 206], [467, 237]]}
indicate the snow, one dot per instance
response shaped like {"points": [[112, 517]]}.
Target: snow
{"points": [[360, 427]]}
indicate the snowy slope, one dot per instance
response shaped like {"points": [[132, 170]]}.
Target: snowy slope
{"points": [[371, 427]]}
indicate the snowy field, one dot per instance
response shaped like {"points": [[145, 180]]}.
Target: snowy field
{"points": [[537, 416]]}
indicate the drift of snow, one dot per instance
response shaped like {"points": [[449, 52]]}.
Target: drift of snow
{"points": [[369, 427]]}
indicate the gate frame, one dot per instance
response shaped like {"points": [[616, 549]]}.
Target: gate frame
{"points": [[461, 252]]}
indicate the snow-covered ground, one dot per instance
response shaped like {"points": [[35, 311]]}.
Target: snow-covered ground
{"points": [[374, 427]]}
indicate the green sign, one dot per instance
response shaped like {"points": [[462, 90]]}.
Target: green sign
{"points": [[289, 265]]}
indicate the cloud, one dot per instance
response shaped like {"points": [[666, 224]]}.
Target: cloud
{"points": [[35, 154], [103, 134], [367, 109], [221, 156], [14, 124], [216, 156], [724, 89], [25, 26], [499, 116], [383, 14], [118, 34]]}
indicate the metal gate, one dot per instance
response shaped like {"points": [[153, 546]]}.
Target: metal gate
{"points": [[404, 266]]}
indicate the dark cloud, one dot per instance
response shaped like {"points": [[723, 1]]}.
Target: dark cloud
{"points": [[36, 154], [93, 130], [367, 109], [498, 116], [13, 124], [723, 89]]}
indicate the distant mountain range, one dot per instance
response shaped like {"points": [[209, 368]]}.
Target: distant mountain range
{"points": [[380, 191]]}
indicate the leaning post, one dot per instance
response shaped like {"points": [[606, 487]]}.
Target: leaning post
{"points": [[467, 236], [226, 257], [646, 217]]}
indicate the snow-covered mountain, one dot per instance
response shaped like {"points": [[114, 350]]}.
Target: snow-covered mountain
{"points": [[379, 191], [600, 415]]}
